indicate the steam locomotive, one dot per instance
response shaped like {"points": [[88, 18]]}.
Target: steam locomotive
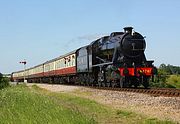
{"points": [[117, 60]]}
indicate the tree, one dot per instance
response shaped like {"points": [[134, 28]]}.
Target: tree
{"points": [[169, 69], [4, 81], [163, 69], [1, 75]]}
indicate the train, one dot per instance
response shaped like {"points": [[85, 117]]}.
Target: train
{"points": [[117, 60]]}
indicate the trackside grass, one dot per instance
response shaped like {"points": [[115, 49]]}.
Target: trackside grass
{"points": [[23, 105]]}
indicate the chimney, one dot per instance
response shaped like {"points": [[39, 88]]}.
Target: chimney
{"points": [[128, 30]]}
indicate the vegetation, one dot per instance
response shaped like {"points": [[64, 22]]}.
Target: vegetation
{"points": [[168, 76], [4, 82], [169, 69], [20, 104], [173, 81]]}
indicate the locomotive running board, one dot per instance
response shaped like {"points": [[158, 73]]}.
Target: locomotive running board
{"points": [[102, 64]]}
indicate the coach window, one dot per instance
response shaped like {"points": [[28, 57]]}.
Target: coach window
{"points": [[61, 64], [47, 68], [57, 65], [65, 62], [40, 70], [51, 67], [69, 61], [73, 60]]}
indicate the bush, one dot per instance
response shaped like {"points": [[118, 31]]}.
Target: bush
{"points": [[166, 81], [4, 82], [162, 79], [174, 80], [159, 81]]}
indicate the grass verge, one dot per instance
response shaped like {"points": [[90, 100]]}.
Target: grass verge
{"points": [[100, 113], [23, 105]]}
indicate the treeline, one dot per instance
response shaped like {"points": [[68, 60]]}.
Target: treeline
{"points": [[169, 69]]}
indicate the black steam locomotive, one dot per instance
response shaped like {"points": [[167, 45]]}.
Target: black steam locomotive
{"points": [[117, 60]]}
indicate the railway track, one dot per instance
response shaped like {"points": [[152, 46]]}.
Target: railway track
{"points": [[167, 92]]}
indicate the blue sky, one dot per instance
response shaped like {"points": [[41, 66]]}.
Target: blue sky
{"points": [[39, 30]]}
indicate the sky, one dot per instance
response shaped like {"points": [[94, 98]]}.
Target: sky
{"points": [[40, 30]]}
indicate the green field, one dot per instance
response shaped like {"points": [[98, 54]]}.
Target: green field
{"points": [[24, 105]]}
